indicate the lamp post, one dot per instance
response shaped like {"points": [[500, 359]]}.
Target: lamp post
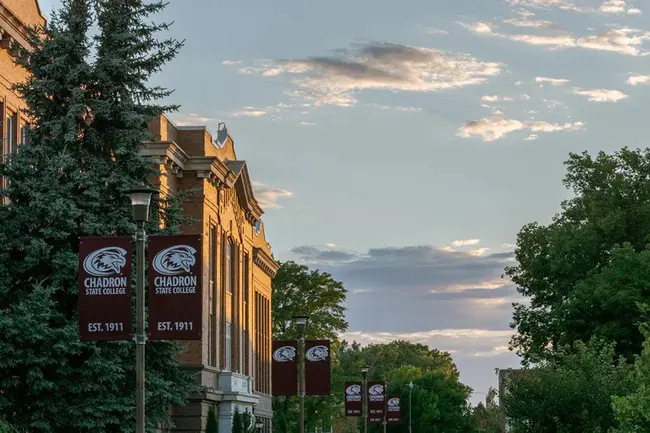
{"points": [[410, 390], [140, 201], [364, 399], [301, 323]]}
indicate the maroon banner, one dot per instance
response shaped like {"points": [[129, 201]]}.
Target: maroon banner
{"points": [[353, 399], [318, 373], [393, 409], [105, 288], [376, 402], [284, 368], [175, 283]]}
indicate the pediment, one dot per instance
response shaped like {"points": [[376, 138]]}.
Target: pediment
{"points": [[244, 187]]}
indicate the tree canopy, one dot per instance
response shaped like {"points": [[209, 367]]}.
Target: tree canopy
{"points": [[585, 271]]}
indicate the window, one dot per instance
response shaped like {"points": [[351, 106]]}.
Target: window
{"points": [[23, 133], [245, 340], [212, 322], [228, 347], [228, 267], [11, 133]]}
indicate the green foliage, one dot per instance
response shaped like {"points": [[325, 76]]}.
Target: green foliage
{"points": [[487, 417], [632, 411], [297, 290], [570, 392], [242, 422], [212, 423], [5, 427], [89, 120], [580, 284]]}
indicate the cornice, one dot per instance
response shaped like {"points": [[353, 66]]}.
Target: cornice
{"points": [[167, 153], [265, 262], [13, 32]]}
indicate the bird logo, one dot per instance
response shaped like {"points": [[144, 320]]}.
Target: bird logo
{"points": [[353, 390], [393, 402], [105, 262], [377, 390], [177, 259], [284, 354], [317, 353]]}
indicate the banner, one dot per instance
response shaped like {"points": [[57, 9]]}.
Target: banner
{"points": [[376, 402], [318, 374], [394, 412], [353, 399], [105, 288], [175, 282], [284, 368]]}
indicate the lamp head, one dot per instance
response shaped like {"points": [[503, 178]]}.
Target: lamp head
{"points": [[259, 424], [301, 322], [140, 201], [364, 371], [411, 385]]}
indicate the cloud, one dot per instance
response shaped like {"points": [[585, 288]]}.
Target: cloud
{"points": [[250, 112], [534, 24], [635, 80], [547, 4], [618, 7], [465, 242], [552, 81], [433, 31], [472, 342], [268, 197], [601, 95], [627, 41], [491, 129], [231, 62], [337, 80], [401, 109], [191, 119], [495, 98]]}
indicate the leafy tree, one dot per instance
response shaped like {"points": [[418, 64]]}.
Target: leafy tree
{"points": [[560, 265], [632, 410], [212, 423], [569, 393], [69, 182], [298, 290], [487, 417], [5, 427]]}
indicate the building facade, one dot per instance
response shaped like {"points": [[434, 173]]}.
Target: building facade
{"points": [[233, 360], [16, 16]]}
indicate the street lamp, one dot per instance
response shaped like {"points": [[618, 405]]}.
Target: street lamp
{"points": [[364, 399], [410, 390], [140, 201], [301, 323]]}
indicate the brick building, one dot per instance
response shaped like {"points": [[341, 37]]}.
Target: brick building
{"points": [[16, 16], [234, 358], [233, 361]]}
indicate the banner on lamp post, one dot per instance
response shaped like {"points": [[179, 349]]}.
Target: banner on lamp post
{"points": [[353, 399], [284, 368], [175, 283], [318, 374], [105, 288], [393, 410], [376, 402]]}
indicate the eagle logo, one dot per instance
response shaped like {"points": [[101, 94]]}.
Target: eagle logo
{"points": [[285, 354], [105, 262], [376, 390], [177, 259], [353, 390], [317, 353], [393, 402]]}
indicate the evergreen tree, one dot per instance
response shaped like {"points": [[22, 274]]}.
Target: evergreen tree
{"points": [[237, 424], [212, 424], [69, 182]]}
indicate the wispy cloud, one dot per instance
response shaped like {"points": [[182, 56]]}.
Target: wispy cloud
{"points": [[601, 95], [491, 129], [337, 80], [231, 62], [191, 119], [552, 81], [465, 242], [533, 24], [434, 31], [618, 7], [496, 98], [250, 112], [547, 4], [267, 196], [636, 80], [627, 41]]}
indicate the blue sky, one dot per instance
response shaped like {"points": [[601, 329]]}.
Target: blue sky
{"points": [[402, 145]]}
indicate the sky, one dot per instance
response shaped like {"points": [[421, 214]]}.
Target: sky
{"points": [[401, 146]]}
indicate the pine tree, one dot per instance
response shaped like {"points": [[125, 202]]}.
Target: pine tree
{"points": [[212, 424], [69, 182], [237, 424]]}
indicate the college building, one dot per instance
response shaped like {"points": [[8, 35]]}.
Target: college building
{"points": [[232, 362]]}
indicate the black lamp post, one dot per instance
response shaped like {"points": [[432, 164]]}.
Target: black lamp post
{"points": [[364, 399], [140, 202], [301, 324]]}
